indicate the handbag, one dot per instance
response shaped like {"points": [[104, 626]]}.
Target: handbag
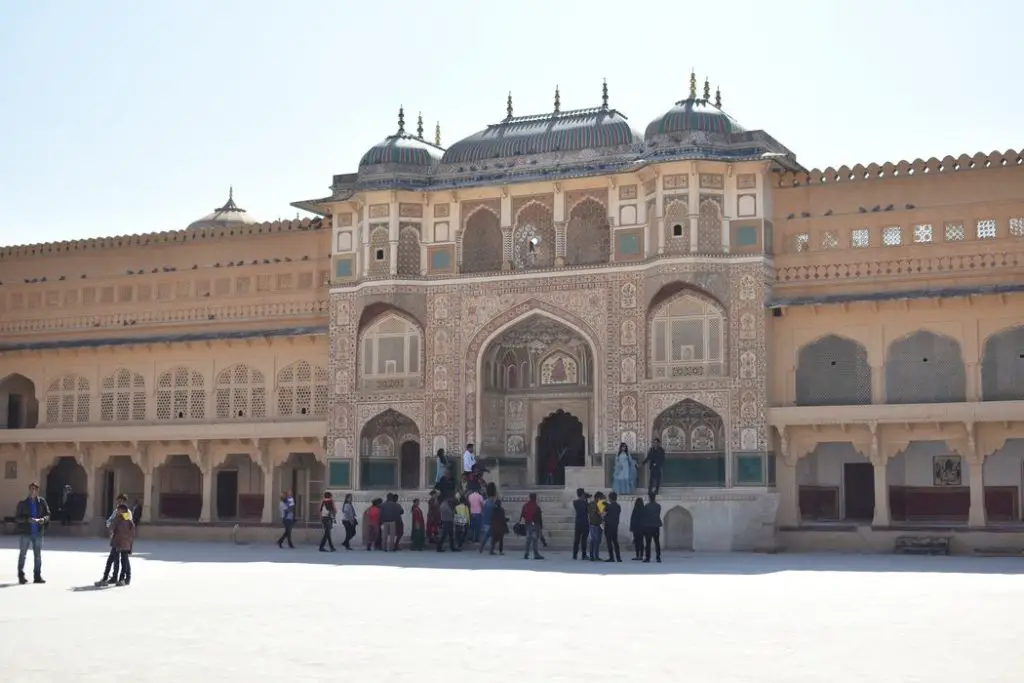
{"points": [[519, 529]]}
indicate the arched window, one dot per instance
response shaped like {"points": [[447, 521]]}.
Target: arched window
{"points": [[709, 225], [391, 349], [181, 395], [588, 235], [68, 400], [687, 339], [302, 389], [241, 393], [482, 243], [380, 250], [833, 371], [533, 240], [123, 396], [925, 367], [1002, 366], [409, 251], [677, 226]]}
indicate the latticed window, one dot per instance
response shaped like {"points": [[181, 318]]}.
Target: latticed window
{"points": [[830, 239], [1017, 226], [677, 226], [587, 237], [687, 339], [986, 229], [68, 400], [709, 226], [302, 389], [241, 393], [482, 243], [391, 347], [954, 232], [380, 250], [860, 238], [922, 233], [181, 395], [533, 241], [1002, 366], [892, 236], [801, 242], [925, 368], [123, 396], [409, 251], [833, 371]]}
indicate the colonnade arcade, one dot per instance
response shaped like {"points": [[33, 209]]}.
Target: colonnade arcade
{"points": [[893, 471], [236, 480]]}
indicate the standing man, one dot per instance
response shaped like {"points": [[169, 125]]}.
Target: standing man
{"points": [[652, 513], [287, 508], [65, 506], [31, 516], [655, 460], [531, 517], [468, 460], [581, 528], [612, 513]]}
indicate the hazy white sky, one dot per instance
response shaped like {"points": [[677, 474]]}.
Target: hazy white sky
{"points": [[127, 117]]}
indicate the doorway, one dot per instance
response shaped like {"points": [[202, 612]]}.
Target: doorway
{"points": [[14, 411], [227, 494], [859, 491], [560, 444], [409, 465], [109, 491]]}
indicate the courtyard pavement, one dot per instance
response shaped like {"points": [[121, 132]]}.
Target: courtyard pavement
{"points": [[217, 612]]}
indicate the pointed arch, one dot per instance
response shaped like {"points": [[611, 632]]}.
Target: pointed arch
{"points": [[18, 393], [833, 371], [123, 396], [302, 390], [533, 237], [409, 251], [588, 234], [709, 225], [380, 250], [241, 393], [1002, 366], [925, 367], [480, 241], [181, 394], [677, 225], [391, 349], [69, 399], [686, 333]]}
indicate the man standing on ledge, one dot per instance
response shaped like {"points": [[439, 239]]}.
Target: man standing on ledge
{"points": [[32, 516], [655, 461]]}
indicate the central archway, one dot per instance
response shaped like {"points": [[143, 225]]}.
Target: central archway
{"points": [[693, 436], [389, 452], [536, 366]]}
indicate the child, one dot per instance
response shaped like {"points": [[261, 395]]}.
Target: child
{"points": [[122, 540], [461, 522], [373, 524], [419, 527], [499, 527]]}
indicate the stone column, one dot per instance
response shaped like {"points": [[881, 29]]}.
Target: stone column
{"points": [[147, 494], [204, 461], [92, 495], [976, 517], [972, 390], [878, 384], [393, 263], [268, 497], [507, 250], [560, 233], [786, 485], [881, 518]]}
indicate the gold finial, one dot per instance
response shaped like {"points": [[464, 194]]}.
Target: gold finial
{"points": [[508, 105], [693, 84], [437, 134], [231, 193], [401, 120], [419, 126], [718, 98], [604, 94], [707, 90], [558, 100]]}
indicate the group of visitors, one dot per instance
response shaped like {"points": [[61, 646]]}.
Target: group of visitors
{"points": [[597, 517]]}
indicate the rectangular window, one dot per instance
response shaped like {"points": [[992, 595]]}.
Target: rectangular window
{"points": [[954, 232], [1017, 226], [830, 239], [986, 229], [860, 238], [801, 242], [922, 234], [892, 236], [339, 474]]}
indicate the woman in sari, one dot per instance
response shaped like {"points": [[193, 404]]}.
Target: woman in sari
{"points": [[624, 472]]}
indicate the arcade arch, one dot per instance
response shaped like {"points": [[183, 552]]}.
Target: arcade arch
{"points": [[693, 436], [19, 407], [389, 452]]}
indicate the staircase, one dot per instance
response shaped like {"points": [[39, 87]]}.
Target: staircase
{"points": [[559, 521]]}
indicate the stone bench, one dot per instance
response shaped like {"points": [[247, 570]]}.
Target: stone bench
{"points": [[922, 545]]}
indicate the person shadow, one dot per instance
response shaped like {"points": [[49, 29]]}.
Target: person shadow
{"points": [[90, 587], [9, 585]]}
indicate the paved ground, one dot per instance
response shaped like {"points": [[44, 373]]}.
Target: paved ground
{"points": [[206, 612]]}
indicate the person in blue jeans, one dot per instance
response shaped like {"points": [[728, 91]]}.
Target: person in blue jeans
{"points": [[31, 517], [287, 508], [595, 514], [487, 516]]}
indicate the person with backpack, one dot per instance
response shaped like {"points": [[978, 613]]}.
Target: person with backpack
{"points": [[328, 515]]}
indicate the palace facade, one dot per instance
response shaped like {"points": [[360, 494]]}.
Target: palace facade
{"points": [[830, 358]]}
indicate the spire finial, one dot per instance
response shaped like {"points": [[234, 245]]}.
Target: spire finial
{"points": [[707, 90], [231, 193], [718, 98], [693, 84], [508, 104], [558, 100], [401, 120], [604, 94], [419, 126], [437, 134]]}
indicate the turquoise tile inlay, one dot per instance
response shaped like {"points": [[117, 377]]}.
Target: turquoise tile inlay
{"points": [[343, 267], [629, 245], [440, 259], [746, 236]]}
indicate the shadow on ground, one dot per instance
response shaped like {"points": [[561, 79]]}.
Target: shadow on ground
{"points": [[559, 561]]}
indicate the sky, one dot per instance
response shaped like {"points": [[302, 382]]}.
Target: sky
{"points": [[122, 118]]}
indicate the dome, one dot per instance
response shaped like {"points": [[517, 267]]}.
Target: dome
{"points": [[403, 150], [692, 115], [225, 216], [598, 128]]}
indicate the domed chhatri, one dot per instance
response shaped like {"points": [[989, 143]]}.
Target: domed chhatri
{"points": [[598, 128], [403, 149], [228, 215], [694, 114]]}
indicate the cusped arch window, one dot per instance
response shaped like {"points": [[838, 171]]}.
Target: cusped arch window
{"points": [[302, 390], [68, 400], [241, 393], [123, 396], [181, 395], [833, 371], [687, 339], [481, 243], [925, 367], [1002, 366], [391, 350]]}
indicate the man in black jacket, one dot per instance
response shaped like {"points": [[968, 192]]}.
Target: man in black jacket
{"points": [[655, 461], [612, 513], [31, 516], [652, 513], [581, 530]]}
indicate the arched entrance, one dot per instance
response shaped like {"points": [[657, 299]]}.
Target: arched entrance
{"points": [[678, 529], [67, 472], [179, 489], [389, 452], [19, 408], [560, 443], [534, 369], [693, 437]]}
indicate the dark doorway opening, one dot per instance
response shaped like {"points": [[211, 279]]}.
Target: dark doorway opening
{"points": [[859, 491], [560, 444], [409, 465], [109, 494], [14, 411], [227, 494]]}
